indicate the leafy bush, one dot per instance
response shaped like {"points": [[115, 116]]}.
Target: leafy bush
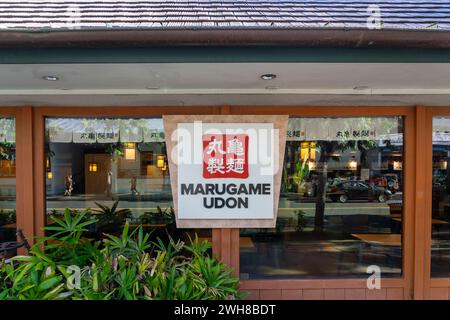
{"points": [[120, 267], [7, 216], [110, 218], [160, 216]]}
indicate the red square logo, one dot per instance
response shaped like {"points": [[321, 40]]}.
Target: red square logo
{"points": [[225, 156]]}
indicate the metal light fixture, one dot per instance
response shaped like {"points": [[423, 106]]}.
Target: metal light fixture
{"points": [[48, 169], [304, 151], [312, 151], [443, 164], [353, 164], [130, 151], [268, 76], [307, 151], [397, 165], [50, 78], [160, 161], [93, 167], [311, 165], [361, 88]]}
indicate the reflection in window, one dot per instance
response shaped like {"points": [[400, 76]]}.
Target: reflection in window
{"points": [[105, 164], [340, 207], [440, 223], [7, 183]]}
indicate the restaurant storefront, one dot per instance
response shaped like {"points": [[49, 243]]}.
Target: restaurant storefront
{"points": [[361, 187], [359, 208]]}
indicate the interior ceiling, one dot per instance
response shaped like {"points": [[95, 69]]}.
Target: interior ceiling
{"points": [[178, 84]]}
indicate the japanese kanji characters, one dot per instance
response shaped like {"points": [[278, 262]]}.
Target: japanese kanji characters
{"points": [[215, 165], [235, 146], [235, 165], [214, 146], [225, 156]]}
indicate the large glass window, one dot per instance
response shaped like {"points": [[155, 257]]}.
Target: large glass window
{"points": [[340, 209], [440, 223], [7, 182], [111, 163]]}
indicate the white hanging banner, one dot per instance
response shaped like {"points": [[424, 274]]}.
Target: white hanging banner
{"points": [[361, 128], [66, 130], [108, 136], [342, 129], [317, 130], [56, 135], [386, 126], [339, 129], [84, 137], [296, 130], [441, 129], [95, 130], [131, 130], [7, 130], [59, 135], [107, 130], [153, 135], [441, 124], [153, 131], [60, 130], [10, 135], [84, 131]]}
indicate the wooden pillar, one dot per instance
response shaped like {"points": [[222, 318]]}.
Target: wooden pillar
{"points": [[24, 172], [39, 172], [226, 246]]}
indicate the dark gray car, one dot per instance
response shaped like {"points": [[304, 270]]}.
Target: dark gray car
{"points": [[358, 190]]}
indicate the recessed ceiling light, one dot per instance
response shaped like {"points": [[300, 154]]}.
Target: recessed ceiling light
{"points": [[361, 88], [50, 78], [268, 76]]}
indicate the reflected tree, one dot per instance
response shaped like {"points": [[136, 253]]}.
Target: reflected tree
{"points": [[327, 152]]}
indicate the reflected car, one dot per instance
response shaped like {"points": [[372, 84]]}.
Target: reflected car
{"points": [[358, 190]]}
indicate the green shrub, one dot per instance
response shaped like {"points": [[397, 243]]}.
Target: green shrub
{"points": [[166, 216], [128, 267], [7, 216], [109, 219]]}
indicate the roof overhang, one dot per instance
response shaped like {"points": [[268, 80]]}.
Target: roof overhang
{"points": [[230, 83], [320, 37], [220, 54], [227, 54]]}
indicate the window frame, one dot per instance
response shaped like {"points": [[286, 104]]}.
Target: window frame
{"points": [[22, 214], [41, 113], [354, 187], [434, 287], [407, 280]]}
